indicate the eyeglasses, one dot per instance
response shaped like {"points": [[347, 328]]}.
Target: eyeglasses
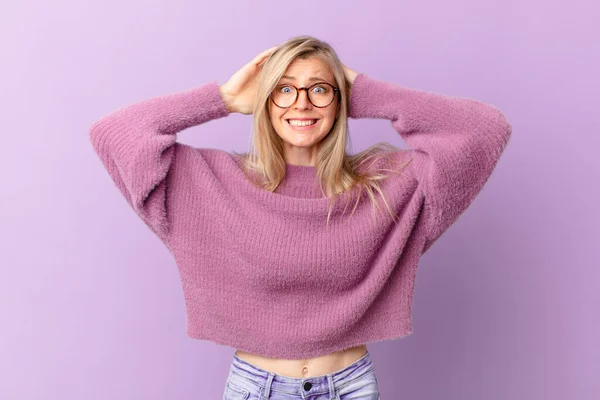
{"points": [[320, 94]]}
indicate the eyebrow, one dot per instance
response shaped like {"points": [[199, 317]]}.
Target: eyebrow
{"points": [[312, 78]]}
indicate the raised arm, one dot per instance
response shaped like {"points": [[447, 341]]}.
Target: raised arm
{"points": [[136, 144], [456, 143]]}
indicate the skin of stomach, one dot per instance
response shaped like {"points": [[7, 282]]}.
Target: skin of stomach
{"points": [[307, 368]]}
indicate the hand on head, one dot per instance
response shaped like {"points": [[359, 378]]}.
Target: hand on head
{"points": [[239, 91]]}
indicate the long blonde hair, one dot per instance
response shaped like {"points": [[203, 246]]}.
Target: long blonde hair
{"points": [[337, 171]]}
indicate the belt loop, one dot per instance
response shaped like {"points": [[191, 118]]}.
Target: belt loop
{"points": [[268, 385], [332, 394]]}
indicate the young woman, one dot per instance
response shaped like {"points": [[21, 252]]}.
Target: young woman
{"points": [[297, 253]]}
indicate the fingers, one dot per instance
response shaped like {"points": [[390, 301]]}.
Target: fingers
{"points": [[345, 68], [262, 56]]}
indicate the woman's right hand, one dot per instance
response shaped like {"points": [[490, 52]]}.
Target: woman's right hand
{"points": [[239, 92]]}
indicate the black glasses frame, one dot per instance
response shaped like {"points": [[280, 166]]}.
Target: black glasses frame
{"points": [[335, 90]]}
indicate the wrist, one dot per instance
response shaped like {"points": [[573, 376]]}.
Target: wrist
{"points": [[226, 99]]}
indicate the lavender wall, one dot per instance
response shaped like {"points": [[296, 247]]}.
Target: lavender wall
{"points": [[506, 302]]}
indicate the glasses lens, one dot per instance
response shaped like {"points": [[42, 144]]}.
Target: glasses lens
{"points": [[284, 95], [319, 95]]}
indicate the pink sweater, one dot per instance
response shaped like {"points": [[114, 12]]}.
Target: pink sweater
{"points": [[259, 270]]}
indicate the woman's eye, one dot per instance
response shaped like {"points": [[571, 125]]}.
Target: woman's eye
{"points": [[283, 88], [319, 89]]}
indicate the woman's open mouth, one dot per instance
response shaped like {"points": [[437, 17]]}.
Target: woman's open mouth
{"points": [[301, 125]]}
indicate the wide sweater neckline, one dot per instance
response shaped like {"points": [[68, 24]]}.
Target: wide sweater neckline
{"points": [[301, 171], [300, 174], [298, 193]]}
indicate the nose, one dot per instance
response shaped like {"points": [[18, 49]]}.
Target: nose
{"points": [[302, 102]]}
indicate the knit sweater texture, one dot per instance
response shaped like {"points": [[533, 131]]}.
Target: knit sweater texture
{"points": [[260, 271]]}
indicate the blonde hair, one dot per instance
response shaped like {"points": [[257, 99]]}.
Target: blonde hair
{"points": [[337, 171]]}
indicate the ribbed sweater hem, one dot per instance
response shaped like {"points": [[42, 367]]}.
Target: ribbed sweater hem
{"points": [[390, 328]]}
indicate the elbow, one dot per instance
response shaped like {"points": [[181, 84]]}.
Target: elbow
{"points": [[103, 130], [93, 132], [505, 128], [96, 135], [499, 125]]}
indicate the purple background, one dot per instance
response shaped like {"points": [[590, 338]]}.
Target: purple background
{"points": [[91, 305]]}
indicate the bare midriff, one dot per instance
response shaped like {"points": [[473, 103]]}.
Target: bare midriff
{"points": [[309, 367]]}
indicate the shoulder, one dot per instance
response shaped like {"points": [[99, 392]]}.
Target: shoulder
{"points": [[408, 161]]}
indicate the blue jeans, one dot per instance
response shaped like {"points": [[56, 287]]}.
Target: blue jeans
{"points": [[357, 381]]}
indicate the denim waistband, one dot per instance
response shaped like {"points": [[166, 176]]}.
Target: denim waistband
{"points": [[322, 384]]}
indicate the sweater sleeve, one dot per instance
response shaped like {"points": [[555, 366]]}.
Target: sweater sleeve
{"points": [[455, 143], [136, 145]]}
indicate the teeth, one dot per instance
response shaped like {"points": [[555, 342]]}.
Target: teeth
{"points": [[296, 122]]}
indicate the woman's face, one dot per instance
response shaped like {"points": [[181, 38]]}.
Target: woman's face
{"points": [[304, 73]]}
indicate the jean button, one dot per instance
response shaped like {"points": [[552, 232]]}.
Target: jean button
{"points": [[307, 386]]}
